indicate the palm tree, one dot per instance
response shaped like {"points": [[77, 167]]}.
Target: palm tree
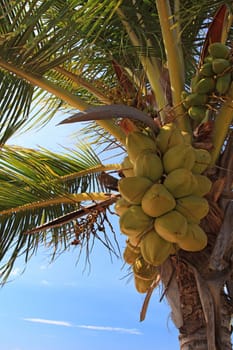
{"points": [[125, 64]]}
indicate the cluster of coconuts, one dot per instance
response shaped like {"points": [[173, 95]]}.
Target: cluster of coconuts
{"points": [[212, 80], [162, 199]]}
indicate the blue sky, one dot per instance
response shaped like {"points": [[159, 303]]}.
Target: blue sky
{"points": [[63, 306]]}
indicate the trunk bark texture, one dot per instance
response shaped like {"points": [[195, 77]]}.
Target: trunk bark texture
{"points": [[199, 286]]}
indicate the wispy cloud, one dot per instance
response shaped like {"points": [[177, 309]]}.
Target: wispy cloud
{"points": [[111, 329], [88, 327], [51, 322], [45, 283], [72, 284]]}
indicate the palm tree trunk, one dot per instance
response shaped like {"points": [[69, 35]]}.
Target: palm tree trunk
{"points": [[200, 297], [206, 321]]}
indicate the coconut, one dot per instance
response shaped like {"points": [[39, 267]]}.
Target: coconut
{"points": [[121, 206], [169, 136], [180, 156], [218, 50], [133, 188], [157, 201], [193, 207], [171, 226], [180, 182], [142, 285], [127, 167], [202, 160], [148, 164], [194, 240], [131, 253], [136, 142], [134, 222], [154, 249], [144, 270], [204, 185]]}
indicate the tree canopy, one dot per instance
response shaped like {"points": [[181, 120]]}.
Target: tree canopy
{"points": [[73, 56]]}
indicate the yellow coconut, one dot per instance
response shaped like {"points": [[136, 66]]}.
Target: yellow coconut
{"points": [[136, 142], [169, 136], [194, 240], [193, 207], [133, 188], [171, 226], [180, 182], [121, 206], [187, 137], [127, 167], [202, 160], [157, 201], [142, 285], [154, 249], [144, 270], [148, 164], [180, 156], [204, 185], [131, 253], [134, 222]]}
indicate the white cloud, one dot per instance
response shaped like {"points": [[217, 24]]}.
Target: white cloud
{"points": [[71, 284], [111, 329], [88, 327], [51, 322], [45, 283]]}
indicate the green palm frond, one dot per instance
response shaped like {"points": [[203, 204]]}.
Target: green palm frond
{"points": [[43, 174], [37, 187], [83, 38], [60, 54], [15, 101]]}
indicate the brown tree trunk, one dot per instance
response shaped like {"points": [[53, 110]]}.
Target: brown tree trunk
{"points": [[198, 287]]}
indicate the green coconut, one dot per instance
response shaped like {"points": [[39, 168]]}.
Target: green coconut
{"points": [[204, 185], [223, 83], [205, 85], [141, 284], [219, 65], [179, 156], [154, 249], [134, 222], [136, 142], [218, 50], [197, 113], [193, 207], [168, 137], [131, 253], [195, 99], [121, 206], [202, 160], [133, 188], [171, 226], [180, 182], [144, 270], [148, 164], [206, 69], [127, 167], [194, 240], [157, 201]]}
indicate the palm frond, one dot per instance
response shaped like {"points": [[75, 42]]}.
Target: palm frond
{"points": [[47, 186], [84, 38]]}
